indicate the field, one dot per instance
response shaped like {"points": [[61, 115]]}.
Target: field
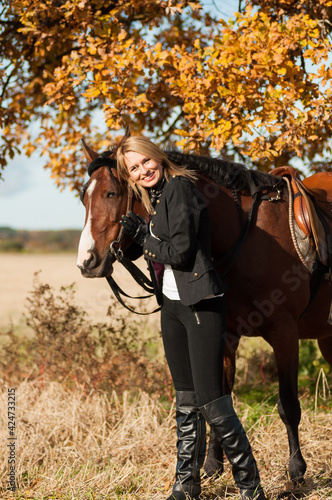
{"points": [[58, 269], [96, 423]]}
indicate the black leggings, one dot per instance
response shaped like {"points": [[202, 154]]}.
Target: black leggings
{"points": [[194, 342]]}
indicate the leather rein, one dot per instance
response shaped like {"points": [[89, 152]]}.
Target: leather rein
{"points": [[133, 270]]}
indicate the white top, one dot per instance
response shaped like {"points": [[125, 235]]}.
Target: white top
{"points": [[169, 284]]}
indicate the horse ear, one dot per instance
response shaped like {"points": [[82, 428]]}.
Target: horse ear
{"points": [[90, 154], [126, 135]]}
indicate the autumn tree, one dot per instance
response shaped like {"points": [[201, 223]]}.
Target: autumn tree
{"points": [[258, 85], [278, 9]]}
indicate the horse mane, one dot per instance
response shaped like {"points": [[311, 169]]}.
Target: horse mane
{"points": [[229, 174], [103, 160]]}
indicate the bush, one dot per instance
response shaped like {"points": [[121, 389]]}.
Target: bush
{"points": [[66, 347], [11, 246]]}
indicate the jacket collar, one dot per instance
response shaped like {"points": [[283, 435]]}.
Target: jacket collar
{"points": [[156, 191]]}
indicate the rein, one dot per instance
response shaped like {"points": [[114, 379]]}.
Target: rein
{"points": [[139, 277], [133, 270]]}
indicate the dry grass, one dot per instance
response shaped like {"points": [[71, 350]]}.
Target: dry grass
{"points": [[101, 447]]}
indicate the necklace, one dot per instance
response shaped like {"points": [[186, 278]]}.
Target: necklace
{"points": [[155, 193]]}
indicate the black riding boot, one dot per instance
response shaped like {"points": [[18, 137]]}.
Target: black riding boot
{"points": [[191, 447], [222, 418]]}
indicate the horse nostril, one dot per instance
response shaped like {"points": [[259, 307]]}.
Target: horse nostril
{"points": [[92, 262]]}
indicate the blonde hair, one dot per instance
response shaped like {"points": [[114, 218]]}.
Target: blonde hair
{"points": [[143, 145]]}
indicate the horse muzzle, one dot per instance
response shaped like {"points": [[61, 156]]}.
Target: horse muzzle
{"points": [[96, 267]]}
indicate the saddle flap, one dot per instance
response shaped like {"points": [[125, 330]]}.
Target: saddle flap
{"points": [[320, 186], [301, 213], [312, 191], [316, 226]]}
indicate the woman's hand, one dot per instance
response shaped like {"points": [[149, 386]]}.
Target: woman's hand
{"points": [[135, 227]]}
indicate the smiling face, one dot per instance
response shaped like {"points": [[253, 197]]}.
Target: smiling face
{"points": [[144, 171]]}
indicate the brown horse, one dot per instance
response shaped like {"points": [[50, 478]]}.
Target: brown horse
{"points": [[269, 288]]}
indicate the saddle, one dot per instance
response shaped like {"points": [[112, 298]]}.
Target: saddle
{"points": [[312, 204]]}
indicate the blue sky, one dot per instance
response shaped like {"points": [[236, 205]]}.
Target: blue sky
{"points": [[29, 198]]}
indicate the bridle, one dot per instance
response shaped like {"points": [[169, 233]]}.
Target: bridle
{"points": [[106, 160], [117, 252]]}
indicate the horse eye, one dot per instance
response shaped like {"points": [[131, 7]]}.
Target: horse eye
{"points": [[110, 194], [83, 190]]}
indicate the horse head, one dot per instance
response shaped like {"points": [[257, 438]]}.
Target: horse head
{"points": [[105, 199]]}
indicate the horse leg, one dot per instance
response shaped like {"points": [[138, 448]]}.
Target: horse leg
{"points": [[214, 463], [287, 358], [325, 345]]}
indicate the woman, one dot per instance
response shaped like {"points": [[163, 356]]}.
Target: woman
{"points": [[193, 313]]}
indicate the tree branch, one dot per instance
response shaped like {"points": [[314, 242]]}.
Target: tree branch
{"points": [[7, 83], [167, 134]]}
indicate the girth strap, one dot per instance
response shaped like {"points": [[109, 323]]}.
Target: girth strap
{"points": [[235, 250], [256, 194], [320, 269], [316, 280]]}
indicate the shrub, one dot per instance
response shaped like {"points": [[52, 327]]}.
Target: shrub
{"points": [[66, 347]]}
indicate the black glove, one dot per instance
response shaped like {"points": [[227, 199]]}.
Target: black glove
{"points": [[135, 227]]}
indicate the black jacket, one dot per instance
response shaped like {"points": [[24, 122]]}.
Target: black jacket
{"points": [[182, 225]]}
